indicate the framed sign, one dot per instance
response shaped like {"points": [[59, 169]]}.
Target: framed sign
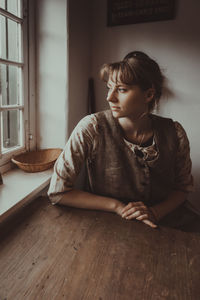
{"points": [[123, 12]]}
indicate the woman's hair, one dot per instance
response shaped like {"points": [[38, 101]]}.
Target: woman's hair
{"points": [[137, 68]]}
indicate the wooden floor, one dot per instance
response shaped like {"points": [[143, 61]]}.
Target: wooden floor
{"points": [[51, 252]]}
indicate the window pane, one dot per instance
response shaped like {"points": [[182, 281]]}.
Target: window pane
{"points": [[11, 128], [2, 37], [2, 4], [14, 86], [10, 39], [3, 87], [13, 41], [11, 84], [13, 6]]}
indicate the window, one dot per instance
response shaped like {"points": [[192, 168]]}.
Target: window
{"points": [[14, 90]]}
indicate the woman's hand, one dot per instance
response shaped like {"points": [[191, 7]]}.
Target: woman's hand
{"points": [[119, 206], [139, 211]]}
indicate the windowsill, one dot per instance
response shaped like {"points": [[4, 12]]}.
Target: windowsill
{"points": [[19, 188]]}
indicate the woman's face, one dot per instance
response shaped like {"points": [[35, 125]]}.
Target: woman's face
{"points": [[127, 100]]}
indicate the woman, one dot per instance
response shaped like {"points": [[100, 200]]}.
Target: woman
{"points": [[138, 164]]}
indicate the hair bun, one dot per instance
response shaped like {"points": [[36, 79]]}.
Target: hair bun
{"points": [[136, 54]]}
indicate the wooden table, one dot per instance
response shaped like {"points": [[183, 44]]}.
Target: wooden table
{"points": [[51, 252]]}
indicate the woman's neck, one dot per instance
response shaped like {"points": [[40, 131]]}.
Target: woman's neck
{"points": [[136, 130]]}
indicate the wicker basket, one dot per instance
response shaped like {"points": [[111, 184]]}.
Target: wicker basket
{"points": [[37, 161]]}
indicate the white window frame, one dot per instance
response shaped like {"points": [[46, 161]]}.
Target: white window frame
{"points": [[28, 81]]}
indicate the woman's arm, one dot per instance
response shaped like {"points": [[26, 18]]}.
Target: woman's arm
{"points": [[175, 199], [152, 215], [81, 199], [183, 179], [79, 147]]}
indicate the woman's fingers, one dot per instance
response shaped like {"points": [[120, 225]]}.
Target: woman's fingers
{"points": [[138, 211], [132, 205], [142, 217], [132, 215], [151, 224], [134, 212], [145, 219]]}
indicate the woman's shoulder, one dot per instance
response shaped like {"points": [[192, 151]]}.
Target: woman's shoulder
{"points": [[179, 128], [164, 123], [87, 123], [102, 114], [90, 124], [160, 118], [95, 119], [181, 133]]}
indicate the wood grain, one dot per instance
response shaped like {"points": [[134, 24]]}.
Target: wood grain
{"points": [[51, 252]]}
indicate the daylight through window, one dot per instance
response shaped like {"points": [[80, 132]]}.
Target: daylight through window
{"points": [[12, 76]]}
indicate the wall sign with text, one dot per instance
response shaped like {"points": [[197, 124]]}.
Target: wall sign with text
{"points": [[122, 12]]}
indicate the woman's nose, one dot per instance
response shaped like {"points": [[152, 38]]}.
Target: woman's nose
{"points": [[111, 97]]}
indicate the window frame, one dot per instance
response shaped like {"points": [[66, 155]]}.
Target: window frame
{"points": [[28, 85]]}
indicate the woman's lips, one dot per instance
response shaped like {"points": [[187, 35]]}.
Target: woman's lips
{"points": [[114, 107]]}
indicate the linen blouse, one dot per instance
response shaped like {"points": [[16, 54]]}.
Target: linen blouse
{"points": [[83, 144]]}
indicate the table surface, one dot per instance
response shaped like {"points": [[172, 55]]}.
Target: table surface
{"points": [[54, 252]]}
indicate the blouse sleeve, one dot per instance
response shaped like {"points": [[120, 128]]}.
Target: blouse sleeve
{"points": [[67, 167], [183, 165]]}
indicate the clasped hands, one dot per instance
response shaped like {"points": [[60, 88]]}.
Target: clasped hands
{"points": [[138, 211]]}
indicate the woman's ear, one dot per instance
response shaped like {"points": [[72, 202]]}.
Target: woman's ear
{"points": [[150, 93]]}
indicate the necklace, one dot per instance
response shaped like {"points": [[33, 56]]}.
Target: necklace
{"points": [[141, 140]]}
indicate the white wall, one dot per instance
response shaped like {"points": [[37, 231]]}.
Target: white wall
{"points": [[51, 73], [175, 44], [63, 67], [79, 59]]}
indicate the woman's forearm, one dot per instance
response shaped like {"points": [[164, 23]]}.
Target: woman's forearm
{"points": [[175, 199], [81, 199]]}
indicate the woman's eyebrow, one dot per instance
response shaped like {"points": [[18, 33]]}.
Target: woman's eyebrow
{"points": [[121, 84], [118, 84]]}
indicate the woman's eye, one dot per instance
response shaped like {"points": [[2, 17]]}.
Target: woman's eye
{"points": [[122, 90]]}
